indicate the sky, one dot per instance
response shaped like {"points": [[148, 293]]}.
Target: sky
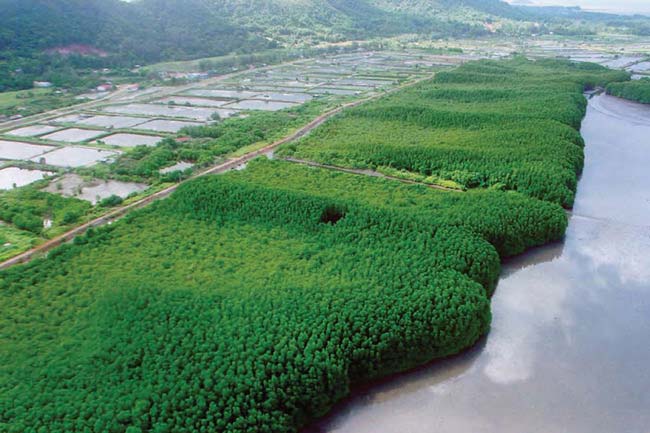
{"points": [[616, 6]]}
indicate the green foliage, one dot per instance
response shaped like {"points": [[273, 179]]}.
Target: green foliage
{"points": [[27, 207], [14, 241], [109, 33], [252, 301], [111, 201], [28, 221], [637, 90], [34, 101], [512, 124]]}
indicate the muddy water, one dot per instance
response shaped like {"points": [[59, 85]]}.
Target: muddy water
{"points": [[569, 349]]}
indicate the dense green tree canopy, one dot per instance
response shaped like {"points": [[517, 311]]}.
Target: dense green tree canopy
{"points": [[638, 90], [510, 124], [252, 301]]}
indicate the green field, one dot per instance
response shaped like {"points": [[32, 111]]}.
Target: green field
{"points": [[10, 99], [511, 125], [254, 300], [14, 241], [28, 102]]}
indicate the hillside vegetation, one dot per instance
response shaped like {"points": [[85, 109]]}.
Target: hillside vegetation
{"points": [[112, 33], [511, 125]]}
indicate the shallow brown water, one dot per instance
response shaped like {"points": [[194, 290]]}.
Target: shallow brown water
{"points": [[569, 349]]}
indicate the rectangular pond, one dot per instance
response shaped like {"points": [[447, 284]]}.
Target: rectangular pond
{"points": [[73, 135], [103, 189], [192, 101], [254, 104], [75, 156], [14, 177], [160, 125], [222, 93], [194, 113], [179, 166], [16, 150], [640, 67], [622, 61], [32, 130], [112, 121], [131, 140], [285, 97], [332, 91], [70, 118]]}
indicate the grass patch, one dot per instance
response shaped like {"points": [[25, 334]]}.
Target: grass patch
{"points": [[14, 241]]}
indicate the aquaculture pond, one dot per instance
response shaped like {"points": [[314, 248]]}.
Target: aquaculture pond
{"points": [[14, 177], [568, 349], [74, 156]]}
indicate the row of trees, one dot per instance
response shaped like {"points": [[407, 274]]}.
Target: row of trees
{"points": [[511, 124], [638, 90]]}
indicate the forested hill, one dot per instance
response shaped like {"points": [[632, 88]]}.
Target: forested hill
{"points": [[152, 30], [108, 33], [149, 30], [112, 33]]}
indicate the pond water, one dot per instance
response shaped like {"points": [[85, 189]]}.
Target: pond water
{"points": [[188, 100], [160, 125], [194, 113], [254, 104], [131, 140], [75, 156], [222, 93], [285, 97], [622, 61], [14, 177], [568, 350], [32, 130], [73, 185], [16, 150], [113, 121], [179, 166], [332, 91], [73, 135], [100, 190], [640, 67]]}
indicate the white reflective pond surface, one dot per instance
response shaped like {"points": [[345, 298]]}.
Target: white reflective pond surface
{"points": [[569, 349]]}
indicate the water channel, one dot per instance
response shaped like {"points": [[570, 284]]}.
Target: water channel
{"points": [[569, 349]]}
